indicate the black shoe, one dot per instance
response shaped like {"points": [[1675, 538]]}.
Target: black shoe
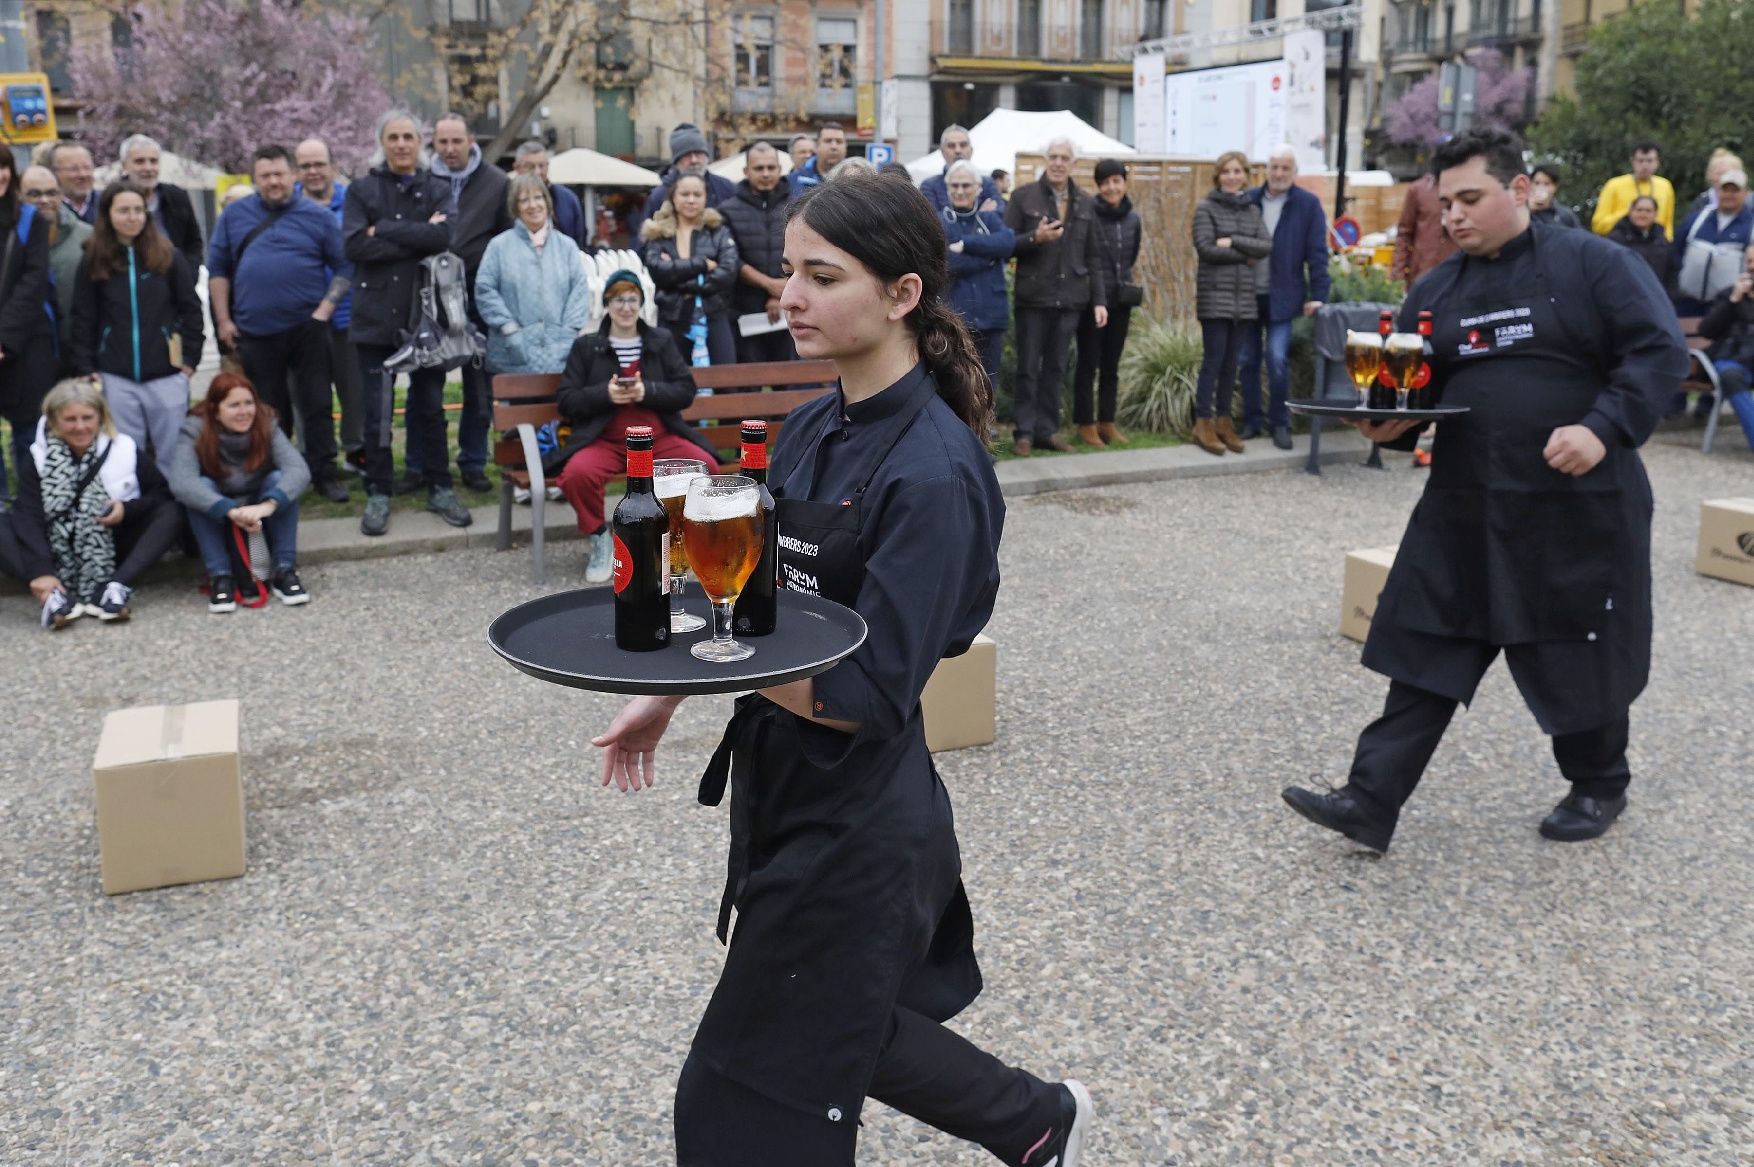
{"points": [[476, 480], [331, 489], [442, 501], [410, 483], [1063, 1143], [287, 586], [376, 519], [354, 462], [1339, 811], [1250, 429], [1282, 436], [222, 594], [1579, 817]]}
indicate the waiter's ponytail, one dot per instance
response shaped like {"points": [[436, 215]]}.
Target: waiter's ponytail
{"points": [[885, 223]]}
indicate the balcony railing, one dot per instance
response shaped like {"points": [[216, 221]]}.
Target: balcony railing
{"points": [[1501, 28], [1574, 37], [1058, 41]]}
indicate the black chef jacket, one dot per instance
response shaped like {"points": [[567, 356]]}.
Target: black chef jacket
{"points": [[844, 868], [1561, 328]]}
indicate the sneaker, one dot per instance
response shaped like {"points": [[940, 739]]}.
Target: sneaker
{"points": [[376, 519], [59, 611], [287, 586], [602, 562], [476, 480], [442, 501], [354, 462], [222, 594], [521, 495], [114, 604], [554, 494], [1063, 1144]]}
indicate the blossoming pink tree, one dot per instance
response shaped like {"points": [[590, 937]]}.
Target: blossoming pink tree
{"points": [[1500, 97]]}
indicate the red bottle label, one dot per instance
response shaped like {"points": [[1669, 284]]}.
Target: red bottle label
{"points": [[754, 456], [1424, 377], [1385, 378], [624, 561], [639, 463]]}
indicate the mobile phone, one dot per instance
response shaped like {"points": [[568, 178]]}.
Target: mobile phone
{"points": [[625, 380]]}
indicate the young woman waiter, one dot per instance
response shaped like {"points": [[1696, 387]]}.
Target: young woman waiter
{"points": [[854, 940]]}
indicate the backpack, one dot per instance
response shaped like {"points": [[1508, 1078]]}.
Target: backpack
{"points": [[440, 334], [27, 214]]}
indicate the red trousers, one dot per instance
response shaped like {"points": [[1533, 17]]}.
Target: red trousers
{"points": [[586, 473]]}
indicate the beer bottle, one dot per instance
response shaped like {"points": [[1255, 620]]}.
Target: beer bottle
{"points": [[756, 608], [1424, 394], [1383, 394], [641, 531]]}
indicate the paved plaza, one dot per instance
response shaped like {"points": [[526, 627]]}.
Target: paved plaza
{"points": [[453, 947]]}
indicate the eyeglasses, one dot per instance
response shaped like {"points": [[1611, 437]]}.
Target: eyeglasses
{"points": [[40, 196], [626, 302]]}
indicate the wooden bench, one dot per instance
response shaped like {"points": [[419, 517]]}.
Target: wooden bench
{"points": [[1702, 376], [525, 402]]}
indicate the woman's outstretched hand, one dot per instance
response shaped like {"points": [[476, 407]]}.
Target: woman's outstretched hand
{"points": [[630, 744]]}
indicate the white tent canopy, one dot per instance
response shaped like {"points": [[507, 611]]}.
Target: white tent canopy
{"points": [[1005, 133], [582, 167], [172, 168], [732, 167]]}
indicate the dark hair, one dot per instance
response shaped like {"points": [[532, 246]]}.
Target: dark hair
{"points": [[897, 169], [886, 224], [9, 200], [1502, 150], [261, 430], [104, 250], [1550, 169], [831, 126], [1651, 199], [1110, 168], [1648, 145], [270, 153], [998, 174], [670, 195]]}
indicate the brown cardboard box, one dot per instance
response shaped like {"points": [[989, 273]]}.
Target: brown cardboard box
{"points": [[1366, 572], [1726, 539], [958, 702], [170, 796]]}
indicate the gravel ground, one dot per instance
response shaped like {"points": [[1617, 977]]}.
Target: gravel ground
{"points": [[453, 948]]}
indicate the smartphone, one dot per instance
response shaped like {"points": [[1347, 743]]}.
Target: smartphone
{"points": [[625, 381]]}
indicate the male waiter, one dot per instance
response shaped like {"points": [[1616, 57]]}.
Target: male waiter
{"points": [[1533, 535]]}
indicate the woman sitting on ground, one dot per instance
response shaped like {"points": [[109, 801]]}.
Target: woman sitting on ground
{"points": [[621, 375], [237, 475], [92, 514]]}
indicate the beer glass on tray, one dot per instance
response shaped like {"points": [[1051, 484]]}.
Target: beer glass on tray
{"points": [[722, 527], [1364, 356], [670, 478], [1403, 353]]}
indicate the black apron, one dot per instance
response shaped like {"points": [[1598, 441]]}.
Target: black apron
{"points": [[1503, 550], [846, 878]]}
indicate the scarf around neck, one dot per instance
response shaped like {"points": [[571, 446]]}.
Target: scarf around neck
{"points": [[84, 551]]}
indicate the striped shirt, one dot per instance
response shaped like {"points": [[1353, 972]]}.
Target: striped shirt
{"points": [[627, 352]]}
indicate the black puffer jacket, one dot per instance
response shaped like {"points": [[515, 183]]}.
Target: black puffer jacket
{"points": [[1066, 273], [1731, 326], [27, 336], [1651, 246], [1224, 285], [677, 279], [1121, 234], [758, 224], [386, 262], [123, 325], [583, 397]]}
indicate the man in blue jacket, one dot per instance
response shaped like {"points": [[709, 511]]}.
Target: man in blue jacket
{"points": [[1709, 246], [1292, 283], [276, 273], [831, 151], [955, 146]]}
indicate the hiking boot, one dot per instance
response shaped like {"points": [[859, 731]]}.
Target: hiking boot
{"points": [[1206, 437], [114, 604], [286, 585], [442, 501], [376, 519], [1226, 432], [602, 562], [222, 594]]}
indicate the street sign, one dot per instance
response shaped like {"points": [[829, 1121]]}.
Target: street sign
{"points": [[880, 154], [28, 114]]}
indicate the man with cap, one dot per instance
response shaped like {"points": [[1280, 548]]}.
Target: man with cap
{"points": [[1292, 283], [689, 154], [1532, 539], [626, 373], [1709, 248]]}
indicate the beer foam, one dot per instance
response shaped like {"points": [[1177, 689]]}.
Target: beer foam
{"points": [[672, 485], [718, 508]]}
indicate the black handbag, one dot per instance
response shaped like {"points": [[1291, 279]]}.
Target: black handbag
{"points": [[1129, 296]]}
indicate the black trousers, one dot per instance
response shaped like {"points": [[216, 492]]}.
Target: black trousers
{"points": [[1394, 750], [291, 373], [1044, 336], [11, 553], [1096, 383], [426, 421], [146, 532], [924, 1070]]}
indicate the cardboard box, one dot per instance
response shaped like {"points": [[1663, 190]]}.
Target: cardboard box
{"points": [[1726, 539], [170, 796], [1366, 572], [959, 699]]}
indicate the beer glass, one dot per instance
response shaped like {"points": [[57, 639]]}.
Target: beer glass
{"points": [[670, 483], [722, 526], [1364, 354], [1403, 352]]}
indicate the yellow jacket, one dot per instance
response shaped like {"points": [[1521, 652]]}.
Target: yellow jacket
{"points": [[1616, 199]]}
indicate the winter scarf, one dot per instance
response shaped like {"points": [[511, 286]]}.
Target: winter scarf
{"points": [[84, 550]]}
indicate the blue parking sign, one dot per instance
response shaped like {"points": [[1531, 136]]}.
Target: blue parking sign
{"points": [[880, 154]]}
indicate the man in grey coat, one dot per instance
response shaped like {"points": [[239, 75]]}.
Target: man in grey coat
{"points": [[41, 189]]}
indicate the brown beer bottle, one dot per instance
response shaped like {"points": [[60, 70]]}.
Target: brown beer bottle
{"points": [[641, 531], [757, 608]]}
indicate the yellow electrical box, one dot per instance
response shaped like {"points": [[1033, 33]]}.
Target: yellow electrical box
{"points": [[27, 109]]}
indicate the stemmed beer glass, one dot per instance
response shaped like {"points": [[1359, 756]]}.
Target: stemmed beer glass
{"points": [[722, 526], [670, 477], [1403, 352], [1364, 356]]}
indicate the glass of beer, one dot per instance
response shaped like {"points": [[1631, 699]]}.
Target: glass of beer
{"points": [[1402, 354], [670, 483], [1364, 354], [722, 526]]}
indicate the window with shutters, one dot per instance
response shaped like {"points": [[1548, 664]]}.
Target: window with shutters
{"points": [[837, 54]]}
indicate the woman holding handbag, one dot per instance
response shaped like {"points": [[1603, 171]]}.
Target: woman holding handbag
{"points": [[1099, 348]]}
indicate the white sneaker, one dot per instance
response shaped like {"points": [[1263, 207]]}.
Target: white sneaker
{"points": [[114, 604], [521, 495], [59, 611], [602, 562], [554, 494]]}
